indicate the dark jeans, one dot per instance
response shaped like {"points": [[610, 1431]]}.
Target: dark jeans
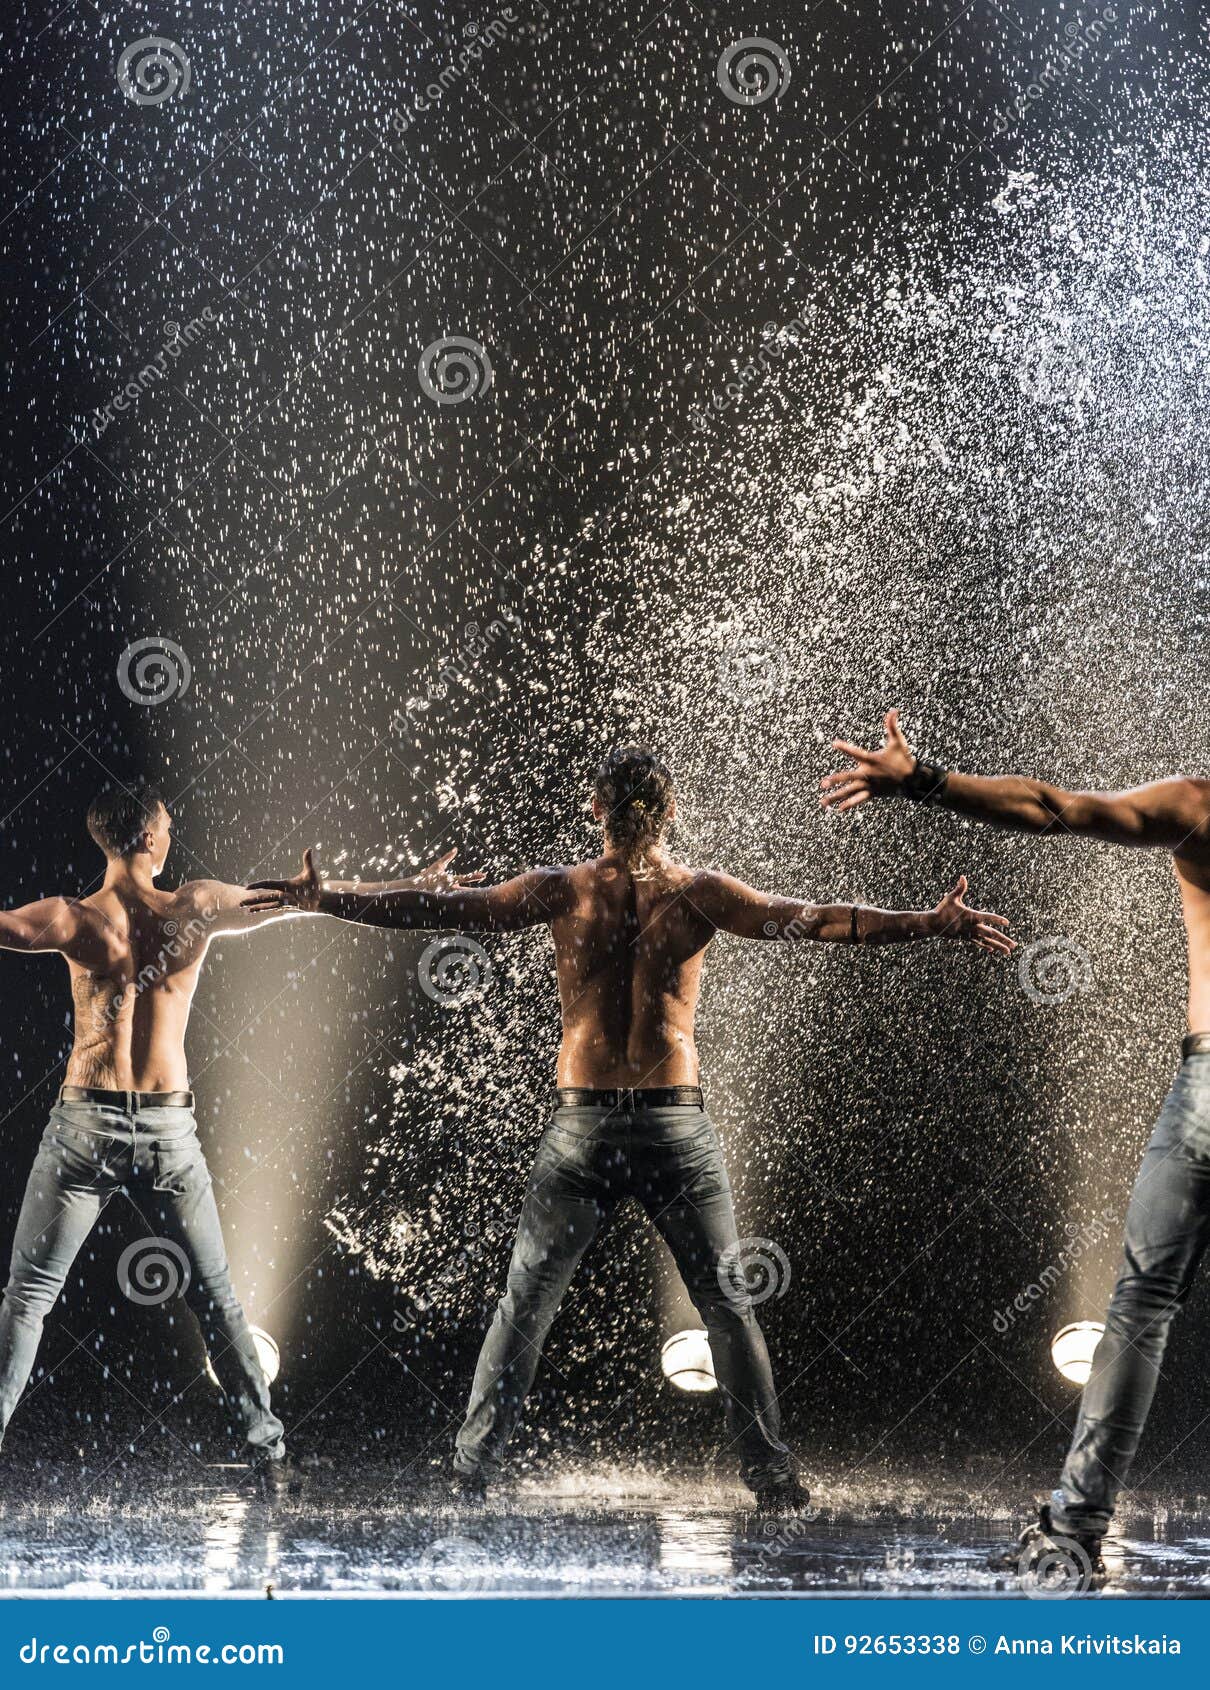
{"points": [[89, 1152], [590, 1159], [1167, 1229]]}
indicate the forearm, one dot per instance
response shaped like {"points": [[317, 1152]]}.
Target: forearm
{"points": [[894, 927], [408, 907], [857, 924], [369, 888], [1009, 801]]}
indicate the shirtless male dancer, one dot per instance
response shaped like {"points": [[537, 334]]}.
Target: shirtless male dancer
{"points": [[630, 931], [1168, 1217], [124, 1118]]}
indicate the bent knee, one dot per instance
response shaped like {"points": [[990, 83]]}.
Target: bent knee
{"points": [[1158, 1296]]}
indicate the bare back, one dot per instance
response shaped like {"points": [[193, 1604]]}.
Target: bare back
{"points": [[132, 982], [629, 948], [1193, 878]]}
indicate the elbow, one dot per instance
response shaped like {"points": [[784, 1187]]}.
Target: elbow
{"points": [[1049, 809]]}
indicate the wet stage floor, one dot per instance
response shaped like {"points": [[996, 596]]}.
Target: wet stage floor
{"points": [[587, 1534]]}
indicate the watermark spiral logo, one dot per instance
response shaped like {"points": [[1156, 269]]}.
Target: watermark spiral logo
{"points": [[454, 971], [1052, 970], [753, 70], [153, 1271], [1062, 1568], [753, 1270], [153, 70], [1055, 371], [161, 1634], [453, 1563], [454, 369], [754, 669], [153, 671]]}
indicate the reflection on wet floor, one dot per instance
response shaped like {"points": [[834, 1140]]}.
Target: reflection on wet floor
{"points": [[591, 1534]]}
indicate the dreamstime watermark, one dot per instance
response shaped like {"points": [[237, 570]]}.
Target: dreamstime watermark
{"points": [[1050, 971], [153, 70], [1055, 368], [1059, 66], [1061, 1568], [158, 1651], [154, 371], [776, 340], [753, 70], [454, 970], [476, 1244], [752, 1270], [476, 43], [153, 670], [179, 939], [1080, 1238], [454, 369], [453, 1563], [152, 1271], [784, 1535], [473, 645], [753, 669]]}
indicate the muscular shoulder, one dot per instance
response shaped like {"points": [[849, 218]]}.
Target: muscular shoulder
{"points": [[88, 932], [712, 890], [203, 901], [558, 887]]}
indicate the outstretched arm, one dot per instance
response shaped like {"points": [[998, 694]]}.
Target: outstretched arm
{"points": [[1165, 814], [229, 909], [433, 900], [51, 924], [735, 908]]}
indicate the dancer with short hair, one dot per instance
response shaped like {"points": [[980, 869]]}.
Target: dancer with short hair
{"points": [[124, 1118]]}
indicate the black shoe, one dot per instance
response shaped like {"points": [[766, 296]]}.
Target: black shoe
{"points": [[277, 1479], [469, 1488], [784, 1496], [1053, 1562]]}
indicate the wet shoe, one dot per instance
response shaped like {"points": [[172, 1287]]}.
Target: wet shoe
{"points": [[469, 1488], [787, 1496], [1052, 1562], [277, 1479]]}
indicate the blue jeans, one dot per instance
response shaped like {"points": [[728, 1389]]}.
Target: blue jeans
{"points": [[89, 1152], [589, 1160], [1167, 1229]]}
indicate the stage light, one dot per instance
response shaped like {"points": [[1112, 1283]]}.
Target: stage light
{"points": [[1072, 1347], [687, 1362], [267, 1354]]}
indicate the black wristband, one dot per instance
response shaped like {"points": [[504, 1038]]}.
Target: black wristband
{"points": [[854, 936], [926, 783]]}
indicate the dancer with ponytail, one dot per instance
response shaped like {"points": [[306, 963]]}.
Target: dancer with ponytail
{"points": [[631, 929]]}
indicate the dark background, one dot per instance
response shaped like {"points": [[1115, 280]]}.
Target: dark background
{"points": [[889, 513]]}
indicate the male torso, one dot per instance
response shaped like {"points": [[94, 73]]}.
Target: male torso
{"points": [[629, 948], [1193, 877], [134, 961]]}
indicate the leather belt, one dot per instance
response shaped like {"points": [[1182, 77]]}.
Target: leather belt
{"points": [[1195, 1044], [130, 1101], [630, 1100]]}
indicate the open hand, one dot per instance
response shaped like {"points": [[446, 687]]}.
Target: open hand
{"points": [[300, 893], [437, 878], [877, 773], [955, 919]]}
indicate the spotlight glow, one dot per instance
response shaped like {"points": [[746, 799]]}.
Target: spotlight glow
{"points": [[267, 1354], [1072, 1349], [687, 1362]]}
